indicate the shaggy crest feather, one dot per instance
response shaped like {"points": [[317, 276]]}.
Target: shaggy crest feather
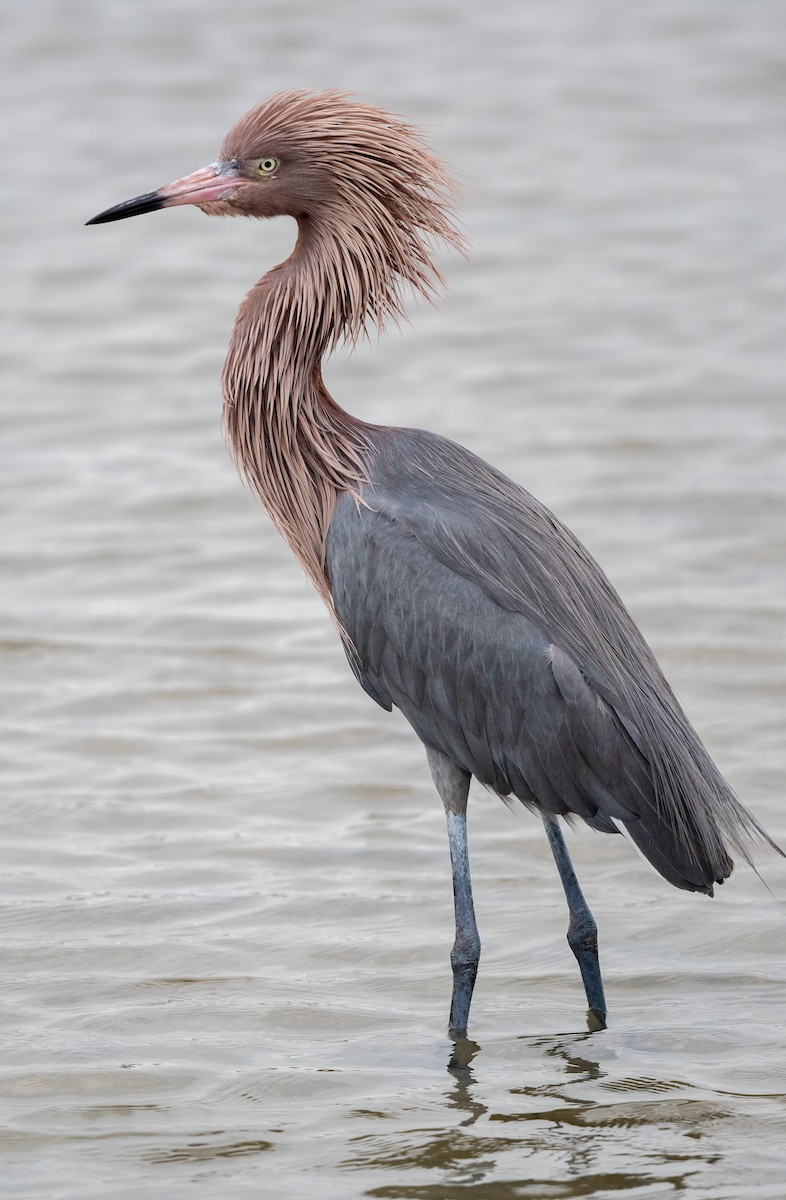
{"points": [[377, 203]]}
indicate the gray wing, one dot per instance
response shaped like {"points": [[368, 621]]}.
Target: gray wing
{"points": [[479, 683], [474, 611]]}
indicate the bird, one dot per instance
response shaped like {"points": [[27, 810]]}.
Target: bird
{"points": [[459, 598]]}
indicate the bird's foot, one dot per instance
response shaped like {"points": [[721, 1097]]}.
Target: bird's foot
{"points": [[596, 1020]]}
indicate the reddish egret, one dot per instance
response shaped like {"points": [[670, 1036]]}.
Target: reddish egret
{"points": [[459, 598]]}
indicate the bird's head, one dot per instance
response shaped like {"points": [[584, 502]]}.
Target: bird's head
{"points": [[361, 183], [312, 154]]}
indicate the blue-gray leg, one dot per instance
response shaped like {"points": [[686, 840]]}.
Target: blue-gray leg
{"points": [[582, 930], [452, 783]]}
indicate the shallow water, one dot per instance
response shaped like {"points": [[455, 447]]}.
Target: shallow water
{"points": [[225, 896]]}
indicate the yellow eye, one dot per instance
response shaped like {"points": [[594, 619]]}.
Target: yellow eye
{"points": [[267, 165]]}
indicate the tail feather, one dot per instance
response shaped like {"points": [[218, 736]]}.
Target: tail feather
{"points": [[695, 823], [679, 864]]}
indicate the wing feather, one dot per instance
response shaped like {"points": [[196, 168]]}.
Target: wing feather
{"points": [[476, 681]]}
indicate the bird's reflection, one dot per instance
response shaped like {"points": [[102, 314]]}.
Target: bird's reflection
{"points": [[460, 1067], [578, 1069], [577, 1065], [575, 1126]]}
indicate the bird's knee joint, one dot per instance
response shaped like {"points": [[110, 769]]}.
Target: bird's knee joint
{"points": [[465, 953], [583, 935]]}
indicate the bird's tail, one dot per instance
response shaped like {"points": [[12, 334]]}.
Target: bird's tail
{"points": [[694, 823]]}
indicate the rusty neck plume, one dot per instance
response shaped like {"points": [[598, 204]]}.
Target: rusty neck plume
{"points": [[294, 446]]}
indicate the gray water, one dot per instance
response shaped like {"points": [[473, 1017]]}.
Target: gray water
{"points": [[225, 904]]}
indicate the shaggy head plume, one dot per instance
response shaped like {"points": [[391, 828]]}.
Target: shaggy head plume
{"points": [[360, 182]]}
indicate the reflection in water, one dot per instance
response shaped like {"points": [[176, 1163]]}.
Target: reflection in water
{"points": [[574, 1144], [460, 1067], [207, 1146]]}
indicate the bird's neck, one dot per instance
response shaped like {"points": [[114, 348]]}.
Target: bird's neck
{"points": [[294, 446]]}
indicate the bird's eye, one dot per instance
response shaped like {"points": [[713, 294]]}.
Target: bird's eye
{"points": [[267, 165]]}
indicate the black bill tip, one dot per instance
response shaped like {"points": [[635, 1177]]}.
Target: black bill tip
{"points": [[150, 202]]}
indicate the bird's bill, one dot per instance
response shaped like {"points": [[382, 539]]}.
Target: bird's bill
{"points": [[215, 182]]}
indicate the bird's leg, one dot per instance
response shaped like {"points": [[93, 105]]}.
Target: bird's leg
{"points": [[582, 930], [452, 783]]}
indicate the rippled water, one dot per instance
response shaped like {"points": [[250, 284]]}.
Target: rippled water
{"points": [[225, 902]]}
